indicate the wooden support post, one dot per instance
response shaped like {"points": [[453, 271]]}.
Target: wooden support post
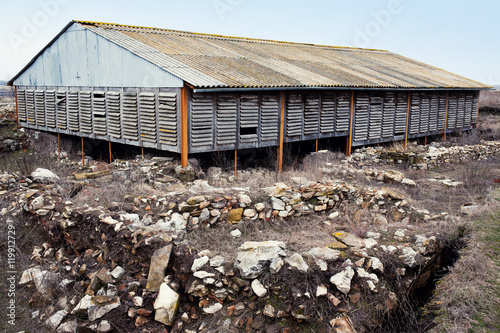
{"points": [[446, 116], [317, 145], [58, 146], [83, 155], [184, 127], [142, 152], [17, 110], [282, 119], [110, 156], [235, 163], [351, 125], [425, 141], [407, 120]]}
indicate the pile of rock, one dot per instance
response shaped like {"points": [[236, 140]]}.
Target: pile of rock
{"points": [[127, 260], [421, 157], [264, 283], [12, 139]]}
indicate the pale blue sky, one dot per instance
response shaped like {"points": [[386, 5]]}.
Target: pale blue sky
{"points": [[456, 35]]}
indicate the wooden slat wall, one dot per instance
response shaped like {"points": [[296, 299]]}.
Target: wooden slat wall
{"points": [[85, 112], [433, 112], [73, 111], [475, 107], [269, 119], [401, 113], [130, 116], [150, 117], [226, 118], [414, 123], [61, 110], [389, 115], [50, 108], [202, 114], [425, 109], [147, 106], [441, 111], [21, 105], [311, 114], [249, 119], [133, 116], [327, 113], [294, 116], [452, 111], [30, 107], [343, 111], [167, 119], [99, 112], [233, 121], [40, 107], [375, 123], [114, 115], [469, 101], [361, 117]]}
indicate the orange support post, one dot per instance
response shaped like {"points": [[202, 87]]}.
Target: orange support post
{"points": [[235, 163], [407, 120], [316, 145], [446, 116], [351, 125], [83, 155], [110, 156], [142, 152], [17, 110], [425, 141], [184, 127], [282, 126]]}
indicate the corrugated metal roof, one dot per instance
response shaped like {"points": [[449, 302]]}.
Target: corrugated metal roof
{"points": [[214, 61]]}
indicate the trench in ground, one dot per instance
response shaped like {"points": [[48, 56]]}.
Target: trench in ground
{"points": [[410, 316]]}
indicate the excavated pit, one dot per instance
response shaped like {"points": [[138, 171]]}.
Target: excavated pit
{"points": [[411, 316]]}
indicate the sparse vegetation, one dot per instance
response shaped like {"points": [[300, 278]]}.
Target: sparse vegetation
{"points": [[468, 299], [489, 102]]}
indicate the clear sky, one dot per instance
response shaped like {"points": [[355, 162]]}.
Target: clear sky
{"points": [[456, 35]]}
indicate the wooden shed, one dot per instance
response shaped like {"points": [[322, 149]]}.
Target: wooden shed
{"points": [[190, 93]]}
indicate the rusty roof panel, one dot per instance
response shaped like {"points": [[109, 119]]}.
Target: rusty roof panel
{"points": [[206, 61]]}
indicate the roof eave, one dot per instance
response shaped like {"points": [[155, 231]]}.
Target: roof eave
{"points": [[336, 87]]}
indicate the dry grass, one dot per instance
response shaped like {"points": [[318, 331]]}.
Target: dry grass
{"points": [[109, 190], [489, 127], [489, 98], [469, 297], [310, 169], [299, 234], [477, 177], [489, 102]]}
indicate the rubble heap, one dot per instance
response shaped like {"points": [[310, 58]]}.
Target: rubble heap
{"points": [[126, 265]]}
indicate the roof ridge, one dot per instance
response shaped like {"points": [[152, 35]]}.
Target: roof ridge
{"points": [[249, 39]]}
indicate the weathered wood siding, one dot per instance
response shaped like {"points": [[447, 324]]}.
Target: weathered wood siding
{"points": [[226, 121], [146, 117], [150, 117]]}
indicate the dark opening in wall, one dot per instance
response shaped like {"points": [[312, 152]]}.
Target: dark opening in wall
{"points": [[248, 130], [98, 95]]}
